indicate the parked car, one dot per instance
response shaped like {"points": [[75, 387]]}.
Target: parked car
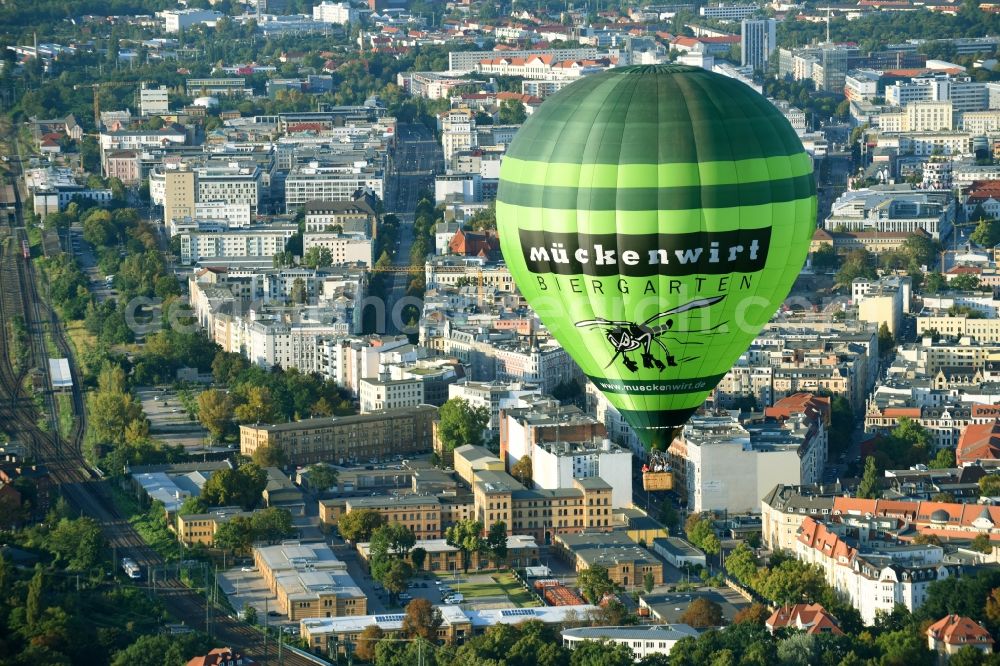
{"points": [[246, 569]]}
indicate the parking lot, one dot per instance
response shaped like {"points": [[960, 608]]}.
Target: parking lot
{"points": [[169, 420], [244, 587]]}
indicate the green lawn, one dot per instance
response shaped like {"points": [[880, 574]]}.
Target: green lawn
{"points": [[500, 585], [64, 405]]}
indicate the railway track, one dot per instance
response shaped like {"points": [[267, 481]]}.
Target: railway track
{"points": [[63, 457]]}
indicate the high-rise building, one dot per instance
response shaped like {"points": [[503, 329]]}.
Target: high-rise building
{"points": [[179, 194], [757, 42], [153, 100]]}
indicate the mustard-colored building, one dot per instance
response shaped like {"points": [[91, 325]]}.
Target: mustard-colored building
{"points": [[309, 580]]}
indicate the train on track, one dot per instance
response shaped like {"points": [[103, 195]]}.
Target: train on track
{"points": [[132, 570], [25, 249]]}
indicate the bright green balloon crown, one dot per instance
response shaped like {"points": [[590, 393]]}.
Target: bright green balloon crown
{"points": [[655, 217]]}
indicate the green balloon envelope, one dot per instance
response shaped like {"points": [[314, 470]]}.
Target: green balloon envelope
{"points": [[655, 217]]}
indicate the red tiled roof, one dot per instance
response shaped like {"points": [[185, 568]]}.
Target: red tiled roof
{"points": [[959, 630], [800, 403], [811, 618], [979, 441]]}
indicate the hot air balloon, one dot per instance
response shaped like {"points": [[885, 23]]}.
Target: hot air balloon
{"points": [[655, 217]]}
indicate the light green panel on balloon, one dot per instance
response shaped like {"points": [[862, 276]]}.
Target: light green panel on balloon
{"points": [[656, 163]]}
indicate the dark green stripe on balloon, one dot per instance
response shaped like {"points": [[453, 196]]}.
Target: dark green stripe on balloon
{"points": [[657, 386], [685, 197]]}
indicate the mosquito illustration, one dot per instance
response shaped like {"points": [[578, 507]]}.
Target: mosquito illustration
{"points": [[628, 336]]}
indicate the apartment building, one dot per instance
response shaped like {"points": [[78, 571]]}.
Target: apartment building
{"points": [[874, 578], [724, 465], [419, 513], [331, 183], [343, 249], [340, 439], [352, 217], [382, 394], [153, 100], [627, 563], [309, 581], [785, 507], [201, 528], [215, 241]]}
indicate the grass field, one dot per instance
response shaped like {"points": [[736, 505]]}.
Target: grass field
{"points": [[152, 529], [64, 405], [500, 585], [79, 337]]}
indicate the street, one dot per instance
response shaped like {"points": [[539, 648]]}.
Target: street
{"points": [[418, 157]]}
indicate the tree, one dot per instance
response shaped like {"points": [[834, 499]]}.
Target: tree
{"points": [[242, 486], [235, 534], [793, 582], [989, 485], [422, 620], [595, 583], [934, 283], [358, 526], [868, 488], [752, 614], [742, 564], [981, 544], [394, 539], [77, 543], [885, 340], [366, 641], [322, 477], [270, 456], [944, 459], [799, 649], [927, 540], [594, 653], [461, 423], [271, 524], [465, 535], [215, 411], [964, 282], [33, 602], [825, 257], [648, 582], [700, 532], [395, 576], [968, 656], [522, 470], [417, 556], [512, 112], [495, 543], [258, 408], [317, 257], [702, 613], [298, 292], [249, 614], [858, 263], [986, 233]]}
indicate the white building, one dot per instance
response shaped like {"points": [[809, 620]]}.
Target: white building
{"points": [[222, 242], [642, 641], [554, 465], [495, 396], [343, 249], [175, 20], [330, 183], [381, 394], [757, 42], [728, 12], [458, 131], [873, 578], [727, 466], [153, 100], [335, 12]]}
